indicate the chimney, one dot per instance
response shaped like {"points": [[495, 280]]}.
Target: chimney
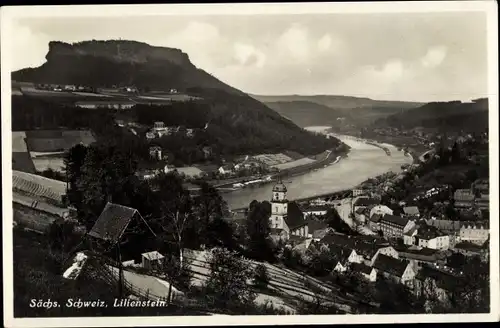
{"points": [[110, 198]]}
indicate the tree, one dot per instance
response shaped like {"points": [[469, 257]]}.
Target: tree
{"points": [[175, 207], [258, 229], [210, 207], [261, 277], [227, 283]]}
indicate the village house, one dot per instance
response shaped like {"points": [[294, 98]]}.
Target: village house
{"points": [[364, 202], [367, 248], [400, 271], [428, 237], [464, 198], [361, 214], [226, 169], [411, 212], [434, 284], [207, 152], [421, 256], [481, 186], [343, 257], [155, 152], [116, 224], [317, 229], [381, 210], [318, 210], [367, 272], [357, 192], [286, 218], [150, 135], [393, 226], [374, 222], [152, 260], [189, 133], [470, 250], [474, 232]]}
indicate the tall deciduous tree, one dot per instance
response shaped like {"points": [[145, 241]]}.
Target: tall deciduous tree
{"points": [[175, 211], [258, 229], [229, 275], [210, 207]]}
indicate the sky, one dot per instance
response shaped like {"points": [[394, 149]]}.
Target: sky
{"points": [[404, 56]]}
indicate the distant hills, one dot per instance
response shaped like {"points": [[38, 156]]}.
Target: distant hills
{"points": [[239, 122], [337, 111], [445, 116]]}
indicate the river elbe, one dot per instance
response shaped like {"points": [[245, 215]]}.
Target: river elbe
{"points": [[364, 161]]}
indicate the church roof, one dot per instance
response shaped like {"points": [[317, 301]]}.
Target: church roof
{"points": [[294, 217], [279, 187]]}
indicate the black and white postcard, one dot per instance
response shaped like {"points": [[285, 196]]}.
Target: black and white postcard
{"points": [[216, 164]]}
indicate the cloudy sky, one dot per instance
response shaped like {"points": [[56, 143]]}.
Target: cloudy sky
{"points": [[420, 57]]}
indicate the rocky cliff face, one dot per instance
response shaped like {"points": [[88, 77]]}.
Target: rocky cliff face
{"points": [[120, 51]]}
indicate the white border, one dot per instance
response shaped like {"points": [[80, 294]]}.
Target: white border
{"points": [[8, 13]]}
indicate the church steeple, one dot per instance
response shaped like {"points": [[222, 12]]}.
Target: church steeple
{"points": [[279, 205]]}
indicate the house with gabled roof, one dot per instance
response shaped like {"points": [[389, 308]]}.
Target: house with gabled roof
{"points": [[464, 198], [431, 237], [367, 272], [317, 229], [366, 249], [394, 226], [399, 270], [435, 284], [343, 256], [364, 202], [474, 232], [116, 222], [411, 211]]}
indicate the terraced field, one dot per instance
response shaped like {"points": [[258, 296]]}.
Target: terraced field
{"points": [[286, 287]]}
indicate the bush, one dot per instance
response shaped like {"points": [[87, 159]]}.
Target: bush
{"points": [[261, 277]]}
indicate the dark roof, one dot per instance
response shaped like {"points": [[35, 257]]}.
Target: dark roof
{"points": [[366, 202], [112, 222], [361, 268], [395, 219], [390, 265], [294, 217], [443, 280], [360, 244], [21, 161], [444, 224], [314, 208], [429, 232], [279, 187], [468, 246], [314, 225], [340, 254], [375, 218]]}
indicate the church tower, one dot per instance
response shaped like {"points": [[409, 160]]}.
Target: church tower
{"points": [[279, 206]]}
